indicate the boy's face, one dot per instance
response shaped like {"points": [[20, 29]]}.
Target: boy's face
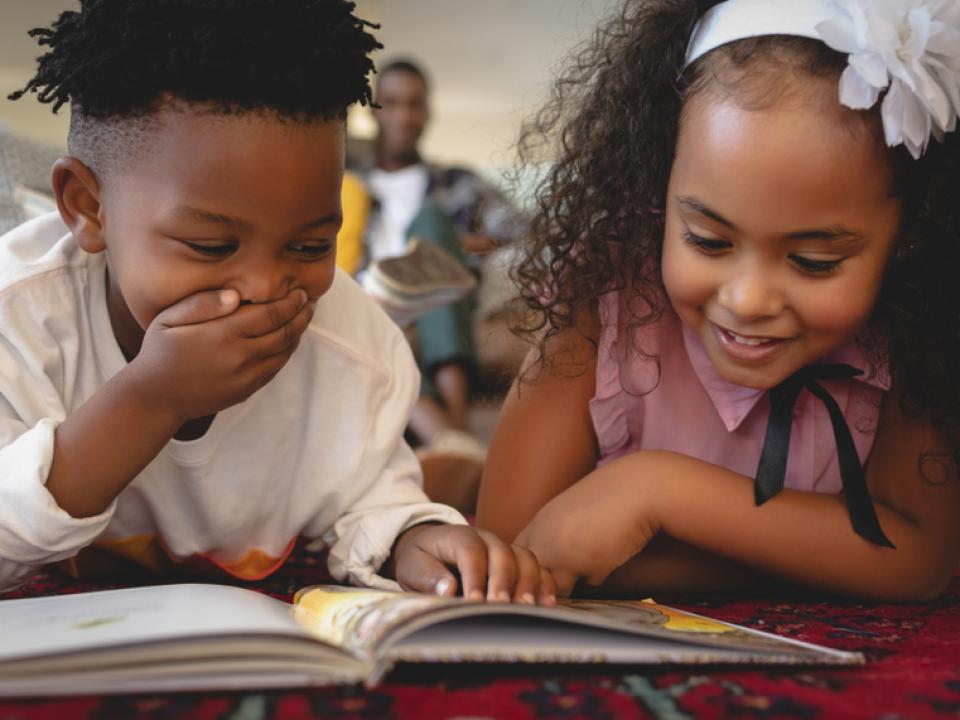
{"points": [[246, 202]]}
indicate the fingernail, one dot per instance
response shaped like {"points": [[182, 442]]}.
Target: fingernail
{"points": [[503, 596], [551, 600], [228, 297], [303, 298], [527, 599], [476, 595], [443, 586]]}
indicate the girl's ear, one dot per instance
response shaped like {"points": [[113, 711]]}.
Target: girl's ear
{"points": [[78, 200]]}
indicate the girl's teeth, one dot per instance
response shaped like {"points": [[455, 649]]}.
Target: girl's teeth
{"points": [[748, 341]]}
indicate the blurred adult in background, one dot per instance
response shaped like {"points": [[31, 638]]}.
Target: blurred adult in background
{"points": [[404, 196]]}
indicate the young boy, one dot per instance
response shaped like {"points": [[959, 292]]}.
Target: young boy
{"points": [[184, 376]]}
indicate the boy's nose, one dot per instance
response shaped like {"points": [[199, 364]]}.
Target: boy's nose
{"points": [[263, 283], [751, 295]]}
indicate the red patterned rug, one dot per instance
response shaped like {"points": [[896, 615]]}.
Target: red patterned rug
{"points": [[913, 671]]}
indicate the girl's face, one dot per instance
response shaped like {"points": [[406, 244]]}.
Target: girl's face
{"points": [[779, 225]]}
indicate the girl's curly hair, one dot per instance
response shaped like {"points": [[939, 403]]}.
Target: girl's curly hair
{"points": [[611, 127]]}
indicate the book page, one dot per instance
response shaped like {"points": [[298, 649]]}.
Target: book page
{"points": [[398, 625], [70, 623], [358, 620]]}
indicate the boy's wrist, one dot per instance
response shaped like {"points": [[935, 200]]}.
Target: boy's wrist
{"points": [[143, 397]]}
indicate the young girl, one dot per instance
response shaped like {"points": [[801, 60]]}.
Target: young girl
{"points": [[743, 280]]}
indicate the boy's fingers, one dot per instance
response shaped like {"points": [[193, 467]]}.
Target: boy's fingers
{"points": [[422, 572], [502, 569], [199, 308], [253, 321], [284, 339], [469, 553], [548, 588], [565, 582], [528, 576]]}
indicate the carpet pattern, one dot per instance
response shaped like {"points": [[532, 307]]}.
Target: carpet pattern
{"points": [[913, 671]]}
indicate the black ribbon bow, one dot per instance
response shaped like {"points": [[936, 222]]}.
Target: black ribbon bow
{"points": [[773, 459]]}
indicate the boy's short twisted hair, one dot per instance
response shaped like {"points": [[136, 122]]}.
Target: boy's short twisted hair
{"points": [[117, 61]]}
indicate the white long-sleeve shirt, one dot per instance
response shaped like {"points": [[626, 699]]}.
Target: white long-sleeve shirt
{"points": [[317, 452]]}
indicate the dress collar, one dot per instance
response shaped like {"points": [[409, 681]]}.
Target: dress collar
{"points": [[734, 402]]}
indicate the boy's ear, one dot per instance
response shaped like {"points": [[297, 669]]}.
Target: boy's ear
{"points": [[78, 196]]}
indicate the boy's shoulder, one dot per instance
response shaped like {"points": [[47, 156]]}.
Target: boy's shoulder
{"points": [[37, 249], [348, 320]]}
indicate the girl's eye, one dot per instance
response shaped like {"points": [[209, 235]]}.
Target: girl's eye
{"points": [[311, 250], [212, 249], [814, 267], [706, 245]]}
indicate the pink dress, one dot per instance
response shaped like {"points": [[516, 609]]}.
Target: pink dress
{"points": [[687, 408]]}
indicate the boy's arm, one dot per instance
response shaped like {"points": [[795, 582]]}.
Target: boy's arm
{"points": [[198, 357], [60, 475], [800, 537], [383, 497]]}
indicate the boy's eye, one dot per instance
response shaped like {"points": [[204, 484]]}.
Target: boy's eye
{"points": [[212, 249], [814, 267], [313, 250], [706, 245]]}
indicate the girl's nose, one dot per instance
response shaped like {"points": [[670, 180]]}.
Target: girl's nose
{"points": [[751, 294]]}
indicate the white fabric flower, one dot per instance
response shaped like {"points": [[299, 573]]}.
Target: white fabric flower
{"points": [[912, 49]]}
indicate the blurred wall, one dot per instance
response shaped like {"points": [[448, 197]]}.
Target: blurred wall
{"points": [[490, 64]]}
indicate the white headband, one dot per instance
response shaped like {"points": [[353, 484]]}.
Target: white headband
{"points": [[911, 48]]}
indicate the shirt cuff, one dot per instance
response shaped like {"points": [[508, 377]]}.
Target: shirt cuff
{"points": [[358, 556]]}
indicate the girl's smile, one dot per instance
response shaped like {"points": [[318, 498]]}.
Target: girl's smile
{"points": [[749, 349]]}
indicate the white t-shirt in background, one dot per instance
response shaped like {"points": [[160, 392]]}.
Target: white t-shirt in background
{"points": [[400, 193]]}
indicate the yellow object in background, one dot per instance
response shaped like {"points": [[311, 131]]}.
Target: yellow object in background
{"points": [[356, 208]]}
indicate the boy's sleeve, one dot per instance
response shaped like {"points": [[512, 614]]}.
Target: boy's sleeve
{"points": [[34, 530], [387, 496]]}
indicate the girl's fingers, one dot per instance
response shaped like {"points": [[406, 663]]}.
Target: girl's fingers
{"points": [[502, 569], [528, 576], [422, 572]]}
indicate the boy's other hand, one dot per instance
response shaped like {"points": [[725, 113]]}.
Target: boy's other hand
{"points": [[488, 567], [208, 352]]}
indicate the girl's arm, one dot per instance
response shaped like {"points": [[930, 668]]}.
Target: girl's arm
{"points": [[544, 440], [800, 537]]}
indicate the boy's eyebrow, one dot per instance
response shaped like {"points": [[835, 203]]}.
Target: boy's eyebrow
{"points": [[212, 217], [193, 213], [836, 232]]}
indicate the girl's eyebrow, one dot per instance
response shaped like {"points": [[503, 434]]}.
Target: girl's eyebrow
{"points": [[692, 203], [834, 232]]}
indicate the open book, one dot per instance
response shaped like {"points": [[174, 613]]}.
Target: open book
{"points": [[193, 637]]}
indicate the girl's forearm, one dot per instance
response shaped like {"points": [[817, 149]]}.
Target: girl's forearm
{"points": [[668, 566], [801, 537]]}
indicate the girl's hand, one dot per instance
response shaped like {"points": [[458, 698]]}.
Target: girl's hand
{"points": [[488, 566], [595, 526]]}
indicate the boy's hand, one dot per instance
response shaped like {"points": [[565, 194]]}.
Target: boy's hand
{"points": [[206, 352], [488, 566]]}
